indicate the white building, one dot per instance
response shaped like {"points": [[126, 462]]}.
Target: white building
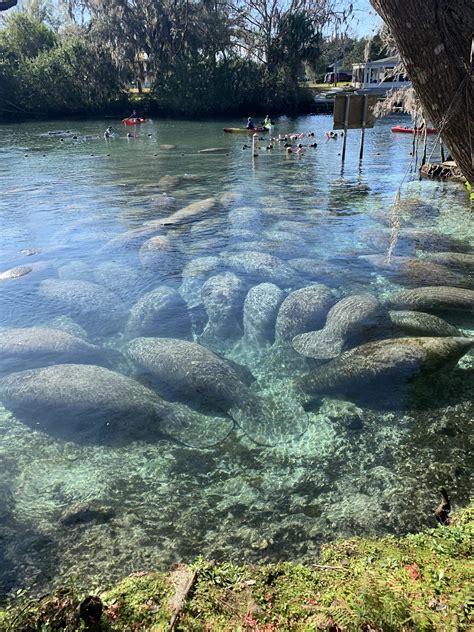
{"points": [[376, 77]]}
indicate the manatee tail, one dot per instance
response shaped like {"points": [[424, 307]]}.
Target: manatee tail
{"points": [[270, 423], [321, 345]]}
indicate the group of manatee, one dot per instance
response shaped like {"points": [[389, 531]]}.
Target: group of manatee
{"points": [[166, 371]]}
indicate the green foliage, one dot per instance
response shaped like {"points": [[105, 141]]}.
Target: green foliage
{"points": [[417, 583]]}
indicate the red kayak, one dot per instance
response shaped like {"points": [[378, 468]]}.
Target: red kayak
{"points": [[410, 130], [129, 121], [245, 130]]}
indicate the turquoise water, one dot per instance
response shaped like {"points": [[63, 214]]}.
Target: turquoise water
{"points": [[238, 463]]}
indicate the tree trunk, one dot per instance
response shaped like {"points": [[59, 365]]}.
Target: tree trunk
{"points": [[434, 40]]}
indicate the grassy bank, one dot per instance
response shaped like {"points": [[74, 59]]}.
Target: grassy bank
{"points": [[418, 582]]}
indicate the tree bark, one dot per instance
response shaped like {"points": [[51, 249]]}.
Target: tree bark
{"points": [[434, 39]]}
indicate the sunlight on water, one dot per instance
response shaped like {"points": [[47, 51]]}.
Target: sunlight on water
{"points": [[209, 353]]}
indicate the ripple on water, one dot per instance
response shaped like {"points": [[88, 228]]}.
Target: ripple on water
{"points": [[125, 239]]}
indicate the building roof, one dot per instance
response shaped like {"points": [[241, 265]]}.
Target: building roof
{"points": [[394, 59]]}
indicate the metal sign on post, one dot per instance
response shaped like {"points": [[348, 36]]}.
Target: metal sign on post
{"points": [[353, 111]]}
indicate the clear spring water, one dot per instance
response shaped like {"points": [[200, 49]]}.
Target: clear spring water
{"points": [[99, 511]]}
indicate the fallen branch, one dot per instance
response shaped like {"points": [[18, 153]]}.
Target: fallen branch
{"points": [[181, 601]]}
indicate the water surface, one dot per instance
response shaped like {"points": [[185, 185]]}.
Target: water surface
{"points": [[233, 487]]}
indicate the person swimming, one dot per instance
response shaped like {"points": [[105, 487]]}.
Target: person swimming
{"points": [[250, 124], [109, 132]]}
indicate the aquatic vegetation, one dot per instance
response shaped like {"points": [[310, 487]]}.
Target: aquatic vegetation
{"points": [[417, 582]]}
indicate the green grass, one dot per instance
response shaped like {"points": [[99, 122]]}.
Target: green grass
{"points": [[420, 582]]}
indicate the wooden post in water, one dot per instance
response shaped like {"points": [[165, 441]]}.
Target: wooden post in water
{"points": [[362, 134], [346, 121]]}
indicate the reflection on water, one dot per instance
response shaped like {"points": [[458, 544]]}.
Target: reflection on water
{"points": [[210, 353]]}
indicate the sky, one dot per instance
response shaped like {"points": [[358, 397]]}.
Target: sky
{"points": [[366, 21]]}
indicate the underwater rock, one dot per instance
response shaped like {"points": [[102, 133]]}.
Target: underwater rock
{"points": [[261, 307], [222, 296], [408, 239], [15, 273], [389, 362], [82, 403], [432, 298], [353, 316], [414, 271], [39, 346], [185, 215], [189, 372], [421, 324], [129, 240], [74, 270], [303, 310], [95, 308], [161, 312], [194, 274], [260, 267]]}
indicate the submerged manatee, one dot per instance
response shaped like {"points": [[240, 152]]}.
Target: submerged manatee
{"points": [[414, 271], [185, 215], [194, 275], [15, 273], [352, 316], [159, 253], [125, 281], [420, 324], [393, 361], [92, 405], [222, 296], [260, 267], [161, 312], [129, 240], [95, 308], [260, 312], [461, 261], [37, 346], [189, 372], [303, 310], [408, 239], [432, 298]]}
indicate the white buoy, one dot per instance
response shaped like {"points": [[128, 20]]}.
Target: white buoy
{"points": [[255, 145]]}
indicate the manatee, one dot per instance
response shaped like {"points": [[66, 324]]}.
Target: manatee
{"points": [[15, 273], [64, 323], [408, 239], [421, 324], [123, 280], [92, 405], [169, 181], [414, 271], [222, 296], [392, 362], [432, 298], [230, 197], [190, 372], [129, 240], [260, 267], [214, 150], [185, 215], [319, 271], [303, 310], [352, 316], [194, 274], [161, 312], [95, 308], [39, 346], [167, 146], [74, 270], [260, 312], [458, 260], [160, 253]]}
